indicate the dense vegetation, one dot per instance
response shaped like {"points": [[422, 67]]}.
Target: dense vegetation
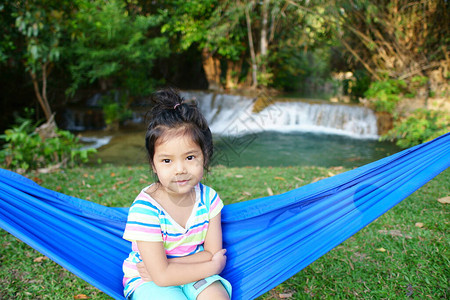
{"points": [[394, 53]]}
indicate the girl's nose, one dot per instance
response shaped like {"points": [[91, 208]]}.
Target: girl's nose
{"points": [[180, 167]]}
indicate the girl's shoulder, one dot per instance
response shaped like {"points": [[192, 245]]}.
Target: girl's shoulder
{"points": [[207, 193], [205, 190], [145, 199]]}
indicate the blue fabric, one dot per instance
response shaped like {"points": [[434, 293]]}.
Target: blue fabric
{"points": [[268, 240]]}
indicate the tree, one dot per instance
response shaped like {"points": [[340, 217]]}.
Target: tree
{"points": [[400, 39], [114, 47], [42, 25], [189, 23]]}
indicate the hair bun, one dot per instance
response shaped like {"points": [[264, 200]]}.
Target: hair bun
{"points": [[167, 98]]}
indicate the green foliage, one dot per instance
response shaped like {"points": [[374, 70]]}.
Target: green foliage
{"points": [[357, 88], [115, 110], [113, 47], [299, 71], [187, 22], [8, 35], [385, 94], [24, 149], [43, 24], [421, 126], [419, 80], [300, 55]]}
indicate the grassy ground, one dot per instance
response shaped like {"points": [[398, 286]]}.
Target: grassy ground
{"points": [[392, 258]]}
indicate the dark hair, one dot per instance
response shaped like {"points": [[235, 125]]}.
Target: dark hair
{"points": [[171, 111]]}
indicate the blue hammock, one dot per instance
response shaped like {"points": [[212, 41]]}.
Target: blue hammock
{"points": [[268, 239]]}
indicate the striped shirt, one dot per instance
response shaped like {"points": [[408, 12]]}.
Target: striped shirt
{"points": [[148, 221]]}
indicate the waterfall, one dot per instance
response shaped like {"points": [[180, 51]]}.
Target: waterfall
{"points": [[233, 115]]}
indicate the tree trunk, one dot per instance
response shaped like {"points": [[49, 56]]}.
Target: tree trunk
{"points": [[234, 70], [264, 42], [42, 96], [211, 66], [252, 48]]}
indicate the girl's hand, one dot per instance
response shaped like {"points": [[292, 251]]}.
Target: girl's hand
{"points": [[219, 259], [145, 275]]}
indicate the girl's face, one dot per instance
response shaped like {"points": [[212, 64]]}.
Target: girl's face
{"points": [[178, 163]]}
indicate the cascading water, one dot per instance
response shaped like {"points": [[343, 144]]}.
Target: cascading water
{"points": [[283, 134], [233, 115]]}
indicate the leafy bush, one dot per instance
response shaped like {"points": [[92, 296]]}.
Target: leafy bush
{"points": [[115, 110], [358, 86], [421, 126], [385, 94], [24, 149]]}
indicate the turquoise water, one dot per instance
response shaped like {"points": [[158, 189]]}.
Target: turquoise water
{"points": [[299, 149], [264, 149]]}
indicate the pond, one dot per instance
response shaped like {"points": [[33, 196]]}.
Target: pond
{"points": [[263, 149], [298, 132]]}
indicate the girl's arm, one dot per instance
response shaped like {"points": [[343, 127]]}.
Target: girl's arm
{"points": [[194, 258], [198, 257], [166, 273], [213, 240], [213, 245]]}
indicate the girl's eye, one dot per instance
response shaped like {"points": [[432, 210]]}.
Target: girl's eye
{"points": [[166, 161], [190, 157]]}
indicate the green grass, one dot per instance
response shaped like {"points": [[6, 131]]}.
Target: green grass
{"points": [[415, 263]]}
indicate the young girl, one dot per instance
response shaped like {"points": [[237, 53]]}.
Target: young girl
{"points": [[174, 224]]}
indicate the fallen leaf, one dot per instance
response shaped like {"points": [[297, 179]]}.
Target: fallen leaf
{"points": [[112, 174], [445, 200], [37, 180], [279, 178], [239, 176], [330, 174], [410, 290], [317, 179], [395, 233], [338, 168], [381, 249], [85, 175], [285, 296], [296, 178], [80, 296], [269, 191], [49, 169], [246, 193], [40, 259], [419, 224]]}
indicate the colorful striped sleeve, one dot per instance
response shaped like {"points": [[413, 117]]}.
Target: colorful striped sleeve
{"points": [[216, 203], [143, 223]]}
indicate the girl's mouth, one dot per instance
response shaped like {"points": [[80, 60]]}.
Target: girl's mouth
{"points": [[182, 182]]}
